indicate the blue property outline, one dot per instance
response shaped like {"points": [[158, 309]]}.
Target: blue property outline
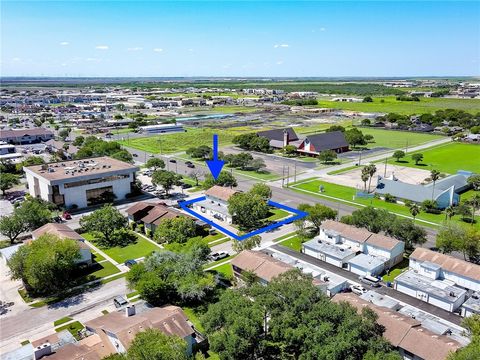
{"points": [[299, 215]]}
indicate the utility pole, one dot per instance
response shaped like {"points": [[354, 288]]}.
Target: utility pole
{"points": [[283, 176], [385, 172], [360, 158], [288, 175], [295, 172]]}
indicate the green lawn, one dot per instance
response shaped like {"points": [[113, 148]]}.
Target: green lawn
{"points": [[396, 270], [62, 321], [294, 243], [390, 104], [277, 214], [397, 139], [215, 263], [177, 142], [73, 328], [285, 236], [132, 294], [348, 194], [139, 249], [225, 269], [446, 158]]}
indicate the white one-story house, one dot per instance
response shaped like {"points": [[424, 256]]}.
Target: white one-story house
{"points": [[216, 203]]}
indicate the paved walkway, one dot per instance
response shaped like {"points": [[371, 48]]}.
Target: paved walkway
{"points": [[404, 298]]}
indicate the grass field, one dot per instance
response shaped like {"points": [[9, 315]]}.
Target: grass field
{"points": [[181, 141], [139, 249], [347, 194], [390, 104], [398, 139], [277, 214], [446, 158], [294, 243], [73, 328], [62, 321]]}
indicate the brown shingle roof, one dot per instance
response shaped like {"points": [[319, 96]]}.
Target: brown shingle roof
{"points": [[132, 210], [347, 231], [382, 241], [448, 263], [220, 192], [263, 265], [60, 230], [405, 332]]}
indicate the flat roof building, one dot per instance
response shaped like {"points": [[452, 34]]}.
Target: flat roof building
{"points": [[162, 128], [81, 183], [25, 136], [331, 254]]}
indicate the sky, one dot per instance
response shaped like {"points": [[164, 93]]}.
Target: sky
{"points": [[240, 39]]}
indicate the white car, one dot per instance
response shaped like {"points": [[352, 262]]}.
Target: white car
{"points": [[357, 289]]}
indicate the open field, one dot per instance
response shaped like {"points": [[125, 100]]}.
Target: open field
{"points": [[181, 141], [397, 139], [448, 158], [347, 194], [390, 104], [139, 249]]}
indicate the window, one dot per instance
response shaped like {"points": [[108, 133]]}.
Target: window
{"points": [[96, 181], [100, 195]]}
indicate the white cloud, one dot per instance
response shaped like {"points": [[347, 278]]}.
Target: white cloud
{"points": [[158, 49], [191, 50], [281, 46], [64, 43], [101, 47], [135, 48], [279, 62], [16, 59], [93, 59], [323, 29]]}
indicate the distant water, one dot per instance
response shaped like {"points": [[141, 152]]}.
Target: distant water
{"points": [[204, 117]]}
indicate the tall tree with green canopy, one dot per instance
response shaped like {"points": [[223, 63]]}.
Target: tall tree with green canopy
{"points": [[46, 265], [248, 210], [12, 226], [7, 181], [261, 189], [152, 344], [224, 179], [103, 223], [166, 179], [176, 230], [155, 163], [34, 212]]}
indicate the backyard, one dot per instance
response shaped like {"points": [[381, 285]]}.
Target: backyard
{"points": [[390, 104], [140, 248], [448, 158]]}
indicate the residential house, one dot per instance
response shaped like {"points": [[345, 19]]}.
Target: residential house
{"points": [[279, 138], [471, 306], [68, 150], [355, 249], [216, 203], [153, 214], [435, 265], [65, 232], [412, 340], [265, 267]]}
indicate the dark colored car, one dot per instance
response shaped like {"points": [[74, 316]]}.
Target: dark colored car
{"points": [[119, 301], [130, 263], [185, 186], [173, 161], [135, 155], [191, 166]]}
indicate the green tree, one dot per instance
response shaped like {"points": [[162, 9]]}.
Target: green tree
{"points": [[79, 140], [367, 99], [405, 230], [364, 177], [63, 134], [7, 181], [261, 189], [31, 160], [152, 344], [450, 236], [290, 150], [224, 179], [155, 163], [247, 210], [327, 156], [374, 220], [317, 214], [474, 181], [355, 137], [103, 223], [12, 226], [176, 230], [414, 210], [474, 203], [471, 351], [434, 175], [370, 169], [46, 265], [246, 244], [397, 155], [34, 213], [417, 158], [167, 179]]}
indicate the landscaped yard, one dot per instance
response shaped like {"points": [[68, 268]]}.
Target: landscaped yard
{"points": [[396, 270], [347, 194], [277, 214], [139, 249], [294, 243], [390, 104], [446, 158], [73, 328]]}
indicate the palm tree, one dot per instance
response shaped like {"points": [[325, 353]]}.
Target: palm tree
{"points": [[414, 210], [434, 175], [364, 178], [449, 212], [474, 202], [370, 170]]}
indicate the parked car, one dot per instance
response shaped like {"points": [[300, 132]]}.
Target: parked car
{"points": [[357, 289], [173, 161], [218, 256], [130, 263], [370, 280], [58, 219], [119, 301], [185, 186], [188, 162], [66, 215], [191, 166], [135, 155], [17, 200]]}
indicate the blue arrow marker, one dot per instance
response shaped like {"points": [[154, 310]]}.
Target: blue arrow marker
{"points": [[215, 165]]}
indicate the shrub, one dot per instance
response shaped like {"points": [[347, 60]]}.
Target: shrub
{"points": [[140, 228], [390, 198], [133, 225], [148, 232]]}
